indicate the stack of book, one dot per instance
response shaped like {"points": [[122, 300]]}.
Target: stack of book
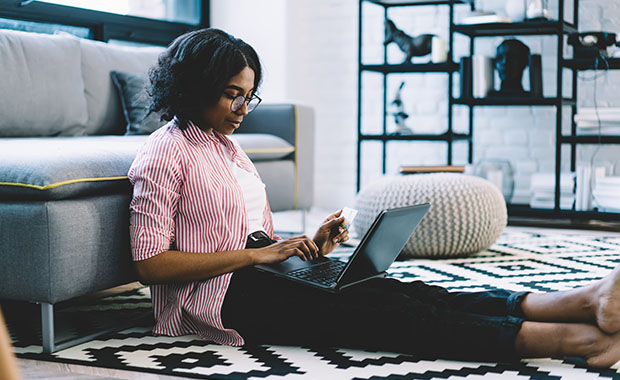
{"points": [[583, 188], [589, 120], [543, 191], [482, 17], [586, 177], [606, 194]]}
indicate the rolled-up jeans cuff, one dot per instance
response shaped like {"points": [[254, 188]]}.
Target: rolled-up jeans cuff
{"points": [[513, 304], [507, 337]]}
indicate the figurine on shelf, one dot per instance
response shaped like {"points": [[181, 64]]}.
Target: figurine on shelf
{"points": [[512, 58], [400, 115], [412, 46]]}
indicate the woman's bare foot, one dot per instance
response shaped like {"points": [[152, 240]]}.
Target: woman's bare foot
{"points": [[549, 339], [608, 303], [605, 351]]}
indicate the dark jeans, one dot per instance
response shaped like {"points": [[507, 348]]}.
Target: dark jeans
{"points": [[380, 314]]}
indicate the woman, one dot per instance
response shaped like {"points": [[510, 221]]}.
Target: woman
{"points": [[197, 197]]}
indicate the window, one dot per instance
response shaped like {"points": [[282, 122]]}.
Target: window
{"points": [[184, 11], [41, 27], [151, 22]]}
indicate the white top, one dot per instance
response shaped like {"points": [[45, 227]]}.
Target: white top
{"points": [[253, 193]]}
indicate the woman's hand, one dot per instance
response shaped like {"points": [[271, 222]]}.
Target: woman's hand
{"points": [[301, 246], [330, 233]]}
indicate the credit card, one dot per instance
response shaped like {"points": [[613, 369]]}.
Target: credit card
{"points": [[349, 216]]}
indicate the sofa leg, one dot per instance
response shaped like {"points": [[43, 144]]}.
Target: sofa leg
{"points": [[47, 327], [47, 331]]}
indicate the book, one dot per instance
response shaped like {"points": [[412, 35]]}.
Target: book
{"points": [[536, 81], [485, 19], [408, 169], [465, 75]]}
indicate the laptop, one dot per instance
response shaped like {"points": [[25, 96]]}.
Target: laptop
{"points": [[376, 251]]}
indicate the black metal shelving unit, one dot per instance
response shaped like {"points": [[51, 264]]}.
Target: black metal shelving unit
{"points": [[590, 64], [539, 28], [517, 101], [448, 68], [412, 68], [559, 28], [526, 211]]}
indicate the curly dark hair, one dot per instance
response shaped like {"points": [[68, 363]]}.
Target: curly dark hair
{"points": [[194, 71]]}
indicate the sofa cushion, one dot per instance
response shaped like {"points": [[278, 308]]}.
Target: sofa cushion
{"points": [[41, 85], [105, 116], [136, 101], [54, 251], [72, 167], [65, 167], [262, 146]]}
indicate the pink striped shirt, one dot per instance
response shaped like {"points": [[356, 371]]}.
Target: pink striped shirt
{"points": [[186, 198]]}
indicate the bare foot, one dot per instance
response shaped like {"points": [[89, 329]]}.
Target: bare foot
{"points": [[608, 307], [550, 339], [605, 351]]}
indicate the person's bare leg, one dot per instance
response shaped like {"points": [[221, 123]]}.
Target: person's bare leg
{"points": [[544, 339], [575, 305], [608, 305], [597, 303]]}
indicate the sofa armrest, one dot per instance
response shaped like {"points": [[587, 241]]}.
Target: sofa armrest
{"points": [[295, 124], [304, 149]]}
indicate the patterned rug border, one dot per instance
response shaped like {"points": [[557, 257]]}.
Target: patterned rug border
{"points": [[519, 259]]}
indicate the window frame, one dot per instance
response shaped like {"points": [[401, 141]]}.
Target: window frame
{"points": [[104, 26]]}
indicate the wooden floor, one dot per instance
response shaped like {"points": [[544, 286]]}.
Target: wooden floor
{"points": [[35, 369]]}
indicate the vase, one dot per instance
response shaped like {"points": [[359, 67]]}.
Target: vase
{"points": [[515, 9], [537, 9], [499, 173]]}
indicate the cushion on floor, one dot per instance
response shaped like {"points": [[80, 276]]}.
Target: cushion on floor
{"points": [[467, 213]]}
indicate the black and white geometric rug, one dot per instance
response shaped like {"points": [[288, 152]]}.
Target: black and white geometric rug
{"points": [[520, 260]]}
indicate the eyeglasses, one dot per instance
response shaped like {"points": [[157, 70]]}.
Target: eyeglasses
{"points": [[238, 101]]}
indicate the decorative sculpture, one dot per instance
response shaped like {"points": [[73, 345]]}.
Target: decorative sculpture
{"points": [[412, 46], [512, 58], [400, 115]]}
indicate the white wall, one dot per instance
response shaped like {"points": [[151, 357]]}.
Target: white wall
{"points": [[262, 24], [309, 50], [322, 63]]}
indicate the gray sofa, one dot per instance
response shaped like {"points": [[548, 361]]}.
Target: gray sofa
{"points": [[64, 158]]}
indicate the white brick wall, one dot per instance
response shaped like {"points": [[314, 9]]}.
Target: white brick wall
{"points": [[312, 56]]}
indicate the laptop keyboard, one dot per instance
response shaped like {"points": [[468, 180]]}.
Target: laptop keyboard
{"points": [[325, 274]]}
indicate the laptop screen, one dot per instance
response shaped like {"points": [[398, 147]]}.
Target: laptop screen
{"points": [[383, 242]]}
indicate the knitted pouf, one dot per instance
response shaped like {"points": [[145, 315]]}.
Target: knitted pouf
{"points": [[467, 213]]}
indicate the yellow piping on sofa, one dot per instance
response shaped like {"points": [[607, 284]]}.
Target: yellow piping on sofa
{"points": [[270, 150], [58, 184]]}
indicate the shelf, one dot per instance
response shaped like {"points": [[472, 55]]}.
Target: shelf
{"points": [[413, 68], [590, 139], [512, 101], [391, 137], [515, 28], [542, 27], [526, 211], [406, 3], [588, 64]]}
